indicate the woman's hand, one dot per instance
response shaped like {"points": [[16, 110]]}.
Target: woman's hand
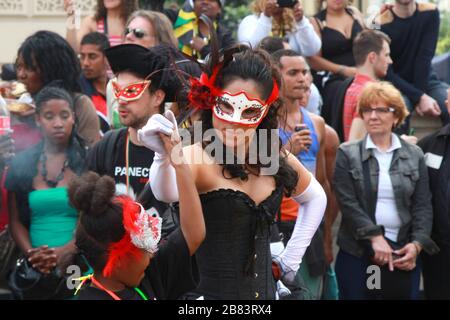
{"points": [[198, 43], [42, 258], [427, 106], [408, 260], [69, 7], [385, 7], [271, 6], [172, 143], [173, 148], [6, 89], [383, 252], [158, 123]]}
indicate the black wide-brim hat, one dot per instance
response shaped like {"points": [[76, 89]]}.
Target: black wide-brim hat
{"points": [[156, 62]]}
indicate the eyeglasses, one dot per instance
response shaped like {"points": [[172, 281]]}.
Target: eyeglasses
{"points": [[377, 110], [138, 33]]}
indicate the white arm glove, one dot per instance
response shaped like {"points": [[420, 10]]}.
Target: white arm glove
{"points": [[305, 40], [163, 179], [313, 202]]}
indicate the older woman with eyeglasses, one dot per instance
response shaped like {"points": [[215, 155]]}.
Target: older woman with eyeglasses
{"points": [[381, 185]]}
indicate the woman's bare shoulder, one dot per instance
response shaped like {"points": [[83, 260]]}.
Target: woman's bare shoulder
{"points": [[196, 155]]}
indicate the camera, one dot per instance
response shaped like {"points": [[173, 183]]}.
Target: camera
{"points": [[287, 3]]}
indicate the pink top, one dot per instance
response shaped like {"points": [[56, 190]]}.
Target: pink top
{"points": [[113, 40]]}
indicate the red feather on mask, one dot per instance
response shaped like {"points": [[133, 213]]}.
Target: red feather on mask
{"points": [[203, 93], [123, 251]]}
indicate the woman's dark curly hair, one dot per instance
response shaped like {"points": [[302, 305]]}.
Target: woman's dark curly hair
{"points": [[127, 7], [52, 56], [244, 63], [100, 222]]}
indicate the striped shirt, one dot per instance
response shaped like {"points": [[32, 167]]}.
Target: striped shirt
{"points": [[113, 39]]}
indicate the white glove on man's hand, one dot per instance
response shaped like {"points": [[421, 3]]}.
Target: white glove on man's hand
{"points": [[149, 134]]}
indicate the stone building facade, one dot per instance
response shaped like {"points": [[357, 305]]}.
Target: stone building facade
{"points": [[20, 18]]}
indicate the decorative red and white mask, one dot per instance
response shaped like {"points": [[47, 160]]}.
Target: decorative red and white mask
{"points": [[239, 108], [142, 233], [131, 92], [148, 232], [236, 108]]}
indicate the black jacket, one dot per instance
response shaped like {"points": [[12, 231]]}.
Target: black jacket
{"points": [[434, 146]]}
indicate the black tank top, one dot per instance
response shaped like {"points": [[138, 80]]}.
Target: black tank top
{"points": [[335, 46]]}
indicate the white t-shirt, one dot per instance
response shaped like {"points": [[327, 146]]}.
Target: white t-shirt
{"points": [[386, 213], [304, 40]]}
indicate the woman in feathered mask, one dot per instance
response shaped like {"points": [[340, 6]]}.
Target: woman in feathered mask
{"points": [[240, 198]]}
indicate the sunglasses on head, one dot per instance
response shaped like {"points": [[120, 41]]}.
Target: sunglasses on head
{"points": [[137, 32]]}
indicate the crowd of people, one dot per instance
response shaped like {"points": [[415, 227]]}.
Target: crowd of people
{"points": [[165, 158]]}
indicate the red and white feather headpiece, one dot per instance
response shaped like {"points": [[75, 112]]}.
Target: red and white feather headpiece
{"points": [[142, 232]]}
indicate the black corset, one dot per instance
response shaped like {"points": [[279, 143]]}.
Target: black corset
{"points": [[234, 261]]}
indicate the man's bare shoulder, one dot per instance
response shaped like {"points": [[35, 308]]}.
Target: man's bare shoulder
{"points": [[422, 7], [384, 18]]}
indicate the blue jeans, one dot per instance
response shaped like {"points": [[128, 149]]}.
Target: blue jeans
{"points": [[438, 91], [352, 276]]}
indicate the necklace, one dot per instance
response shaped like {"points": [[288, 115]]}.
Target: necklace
{"points": [[44, 172], [127, 162], [101, 287]]}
